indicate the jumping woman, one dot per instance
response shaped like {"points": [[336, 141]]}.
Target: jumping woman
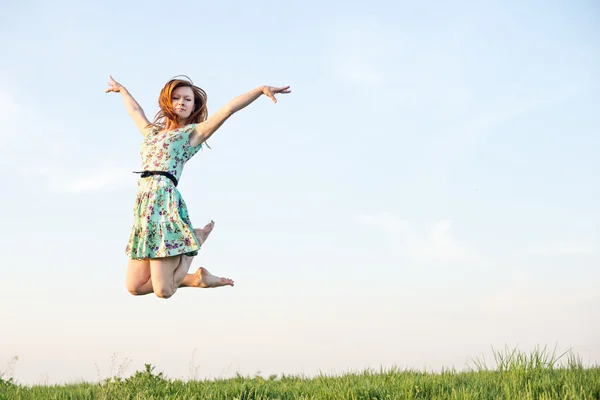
{"points": [[163, 242]]}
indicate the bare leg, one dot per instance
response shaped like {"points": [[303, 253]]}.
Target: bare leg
{"points": [[164, 275], [138, 280], [202, 278], [184, 265], [182, 269]]}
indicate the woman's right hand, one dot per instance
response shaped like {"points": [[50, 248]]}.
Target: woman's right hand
{"points": [[271, 91], [113, 86]]}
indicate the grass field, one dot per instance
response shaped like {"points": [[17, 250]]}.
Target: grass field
{"points": [[515, 375]]}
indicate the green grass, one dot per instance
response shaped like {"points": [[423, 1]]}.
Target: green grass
{"points": [[515, 375]]}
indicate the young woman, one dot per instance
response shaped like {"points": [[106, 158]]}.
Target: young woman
{"points": [[163, 242]]}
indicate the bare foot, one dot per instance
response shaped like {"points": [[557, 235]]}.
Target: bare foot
{"points": [[202, 234], [207, 280]]}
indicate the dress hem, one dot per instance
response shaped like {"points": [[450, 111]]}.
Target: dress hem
{"points": [[190, 253]]}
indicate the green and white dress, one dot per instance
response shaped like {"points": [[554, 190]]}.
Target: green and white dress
{"points": [[161, 223]]}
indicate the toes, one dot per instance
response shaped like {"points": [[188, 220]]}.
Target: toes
{"points": [[226, 281]]}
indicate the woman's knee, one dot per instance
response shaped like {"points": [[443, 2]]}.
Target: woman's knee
{"points": [[134, 289], [162, 272], [164, 292], [138, 275]]}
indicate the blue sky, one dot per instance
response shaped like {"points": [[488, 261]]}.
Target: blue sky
{"points": [[428, 190]]}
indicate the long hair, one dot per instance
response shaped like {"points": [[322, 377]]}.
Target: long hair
{"points": [[166, 117]]}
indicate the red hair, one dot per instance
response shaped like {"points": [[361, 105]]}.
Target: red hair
{"points": [[166, 117]]}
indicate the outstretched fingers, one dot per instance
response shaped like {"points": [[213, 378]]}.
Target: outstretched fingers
{"points": [[113, 86], [285, 89], [271, 91]]}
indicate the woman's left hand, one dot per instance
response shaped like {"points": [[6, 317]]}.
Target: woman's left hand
{"points": [[271, 91]]}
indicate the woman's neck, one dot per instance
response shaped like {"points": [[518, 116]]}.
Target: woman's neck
{"points": [[175, 125]]}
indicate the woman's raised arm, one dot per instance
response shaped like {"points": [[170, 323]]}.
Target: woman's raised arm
{"points": [[204, 130], [133, 108]]}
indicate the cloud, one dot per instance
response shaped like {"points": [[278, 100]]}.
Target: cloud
{"points": [[524, 291], [571, 247], [435, 243]]}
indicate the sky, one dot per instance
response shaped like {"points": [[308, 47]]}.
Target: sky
{"points": [[428, 192]]}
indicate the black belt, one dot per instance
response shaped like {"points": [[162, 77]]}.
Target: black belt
{"points": [[146, 174]]}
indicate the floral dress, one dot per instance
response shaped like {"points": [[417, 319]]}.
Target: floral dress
{"points": [[161, 224]]}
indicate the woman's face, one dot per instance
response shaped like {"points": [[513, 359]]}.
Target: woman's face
{"points": [[182, 101]]}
